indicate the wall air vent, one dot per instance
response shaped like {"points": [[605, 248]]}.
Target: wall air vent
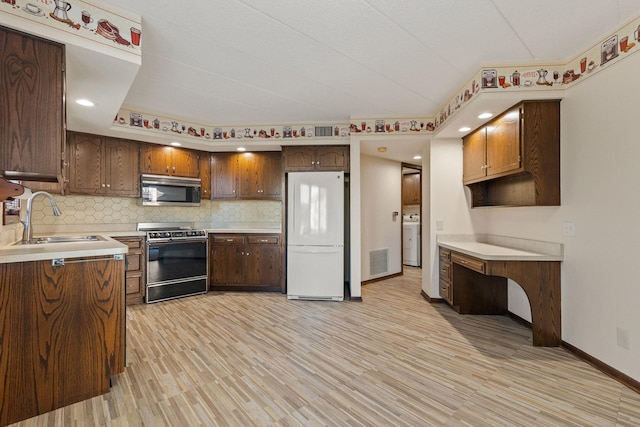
{"points": [[378, 261], [324, 130]]}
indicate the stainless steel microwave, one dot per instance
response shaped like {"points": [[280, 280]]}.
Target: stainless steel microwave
{"points": [[160, 190]]}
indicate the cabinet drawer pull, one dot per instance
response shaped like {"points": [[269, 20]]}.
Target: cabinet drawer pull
{"points": [[229, 240]]}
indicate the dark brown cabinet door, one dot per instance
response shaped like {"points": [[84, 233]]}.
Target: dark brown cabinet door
{"points": [[121, 168], [184, 163], [332, 158], [474, 156], [504, 144], [32, 110], [224, 175], [260, 176], [271, 172], [298, 158], [155, 159], [205, 175], [86, 159], [262, 265], [411, 189], [227, 265]]}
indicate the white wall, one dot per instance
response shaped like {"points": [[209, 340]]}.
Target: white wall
{"points": [[381, 195], [448, 202], [600, 152]]}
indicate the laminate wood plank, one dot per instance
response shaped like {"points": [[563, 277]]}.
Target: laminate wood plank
{"points": [[258, 359]]}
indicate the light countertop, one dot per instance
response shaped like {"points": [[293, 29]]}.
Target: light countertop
{"points": [[498, 248], [39, 252], [244, 230]]}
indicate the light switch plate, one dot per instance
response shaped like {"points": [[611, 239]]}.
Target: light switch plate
{"points": [[439, 225], [569, 229]]}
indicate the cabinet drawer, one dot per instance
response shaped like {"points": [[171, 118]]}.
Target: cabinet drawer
{"points": [[445, 271], [445, 254], [134, 261], [469, 262], [445, 291], [263, 240], [133, 284], [133, 244], [228, 240]]}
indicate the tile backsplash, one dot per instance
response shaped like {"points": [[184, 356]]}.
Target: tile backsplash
{"points": [[124, 213]]}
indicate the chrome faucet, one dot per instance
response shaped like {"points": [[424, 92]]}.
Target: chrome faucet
{"points": [[27, 235]]}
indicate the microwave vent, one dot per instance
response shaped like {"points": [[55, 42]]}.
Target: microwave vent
{"points": [[324, 130]]}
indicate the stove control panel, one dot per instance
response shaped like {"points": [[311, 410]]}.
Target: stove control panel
{"points": [[177, 235]]}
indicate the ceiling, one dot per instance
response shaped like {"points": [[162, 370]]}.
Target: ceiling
{"points": [[233, 62]]}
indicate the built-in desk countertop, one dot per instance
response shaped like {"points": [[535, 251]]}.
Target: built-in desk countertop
{"points": [[533, 265]]}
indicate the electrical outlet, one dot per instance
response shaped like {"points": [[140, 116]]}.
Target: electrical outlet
{"points": [[569, 229], [439, 225], [623, 338]]}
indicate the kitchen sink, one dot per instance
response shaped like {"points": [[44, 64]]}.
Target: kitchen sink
{"points": [[61, 239]]}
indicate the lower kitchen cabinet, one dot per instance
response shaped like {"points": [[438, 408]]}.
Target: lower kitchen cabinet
{"points": [[245, 262], [62, 333], [134, 271]]}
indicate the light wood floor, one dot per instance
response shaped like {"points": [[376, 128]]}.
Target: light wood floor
{"points": [[250, 359]]}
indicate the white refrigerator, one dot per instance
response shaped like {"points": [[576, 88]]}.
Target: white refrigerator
{"points": [[315, 235]]}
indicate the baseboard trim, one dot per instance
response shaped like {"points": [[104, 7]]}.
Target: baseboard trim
{"points": [[378, 279], [603, 367], [431, 300], [356, 299], [586, 357]]}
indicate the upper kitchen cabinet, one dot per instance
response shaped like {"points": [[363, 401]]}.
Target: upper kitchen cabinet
{"points": [[102, 165], [411, 189], [164, 160], [316, 158], [256, 175], [260, 175], [205, 174], [514, 160], [32, 117]]}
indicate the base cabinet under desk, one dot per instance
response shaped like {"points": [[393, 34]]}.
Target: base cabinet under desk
{"points": [[479, 286], [467, 289]]}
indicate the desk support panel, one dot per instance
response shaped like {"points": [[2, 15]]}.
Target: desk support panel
{"points": [[540, 281]]}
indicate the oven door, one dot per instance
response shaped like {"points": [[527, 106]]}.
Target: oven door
{"points": [[170, 261]]}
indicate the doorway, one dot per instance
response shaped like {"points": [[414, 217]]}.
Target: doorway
{"points": [[411, 210]]}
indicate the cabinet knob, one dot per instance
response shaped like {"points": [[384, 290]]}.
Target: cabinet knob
{"points": [[247, 253], [103, 185], [108, 185]]}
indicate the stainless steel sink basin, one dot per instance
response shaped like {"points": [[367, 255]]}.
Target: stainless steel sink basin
{"points": [[62, 239]]}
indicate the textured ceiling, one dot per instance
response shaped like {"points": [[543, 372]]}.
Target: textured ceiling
{"points": [[285, 61]]}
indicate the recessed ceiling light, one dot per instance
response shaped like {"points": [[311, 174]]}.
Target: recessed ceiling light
{"points": [[485, 115], [382, 149], [417, 157], [241, 149], [85, 102], [176, 144], [465, 129]]}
